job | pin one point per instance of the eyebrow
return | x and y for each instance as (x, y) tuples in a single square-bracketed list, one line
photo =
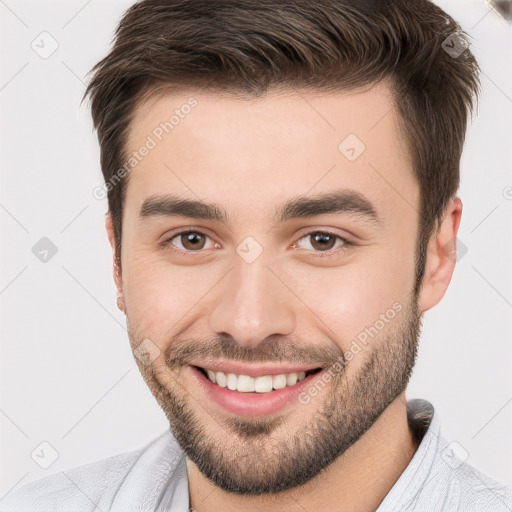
[(337, 202)]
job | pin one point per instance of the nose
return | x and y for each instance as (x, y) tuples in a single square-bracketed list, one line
[(252, 303)]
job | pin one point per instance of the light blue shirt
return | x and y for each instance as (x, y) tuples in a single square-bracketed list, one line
[(155, 478)]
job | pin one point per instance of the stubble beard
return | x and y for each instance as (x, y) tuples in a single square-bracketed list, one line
[(257, 456)]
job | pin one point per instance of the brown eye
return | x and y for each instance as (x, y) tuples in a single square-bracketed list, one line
[(323, 242), (192, 240), (189, 241)]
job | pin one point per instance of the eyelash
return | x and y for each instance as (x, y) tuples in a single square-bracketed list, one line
[(331, 252)]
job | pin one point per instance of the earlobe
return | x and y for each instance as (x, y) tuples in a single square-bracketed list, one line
[(118, 279), (120, 304), (441, 257), (117, 273)]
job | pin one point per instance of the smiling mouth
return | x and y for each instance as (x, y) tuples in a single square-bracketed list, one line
[(261, 384)]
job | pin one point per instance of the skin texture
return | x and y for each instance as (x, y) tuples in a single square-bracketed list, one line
[(349, 444)]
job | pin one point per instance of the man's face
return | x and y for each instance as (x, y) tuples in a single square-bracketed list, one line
[(261, 290)]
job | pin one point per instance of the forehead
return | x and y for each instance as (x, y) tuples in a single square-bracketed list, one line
[(251, 152)]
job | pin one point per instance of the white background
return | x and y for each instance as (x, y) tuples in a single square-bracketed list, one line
[(67, 374)]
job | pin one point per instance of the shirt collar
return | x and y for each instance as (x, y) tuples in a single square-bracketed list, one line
[(425, 425)]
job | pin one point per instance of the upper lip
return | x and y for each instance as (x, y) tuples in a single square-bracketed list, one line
[(253, 370)]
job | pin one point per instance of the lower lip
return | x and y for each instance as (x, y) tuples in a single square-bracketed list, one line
[(252, 404)]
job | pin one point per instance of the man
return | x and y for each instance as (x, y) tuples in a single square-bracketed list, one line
[(293, 143)]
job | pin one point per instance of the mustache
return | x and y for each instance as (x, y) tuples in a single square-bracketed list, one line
[(182, 352)]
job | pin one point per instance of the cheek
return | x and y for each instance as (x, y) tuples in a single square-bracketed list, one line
[(161, 297), (360, 302)]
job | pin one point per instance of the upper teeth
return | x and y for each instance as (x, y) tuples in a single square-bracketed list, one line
[(247, 384)]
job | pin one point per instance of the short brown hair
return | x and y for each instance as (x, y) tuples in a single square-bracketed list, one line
[(248, 46)]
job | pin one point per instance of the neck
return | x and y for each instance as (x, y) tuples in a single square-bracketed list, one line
[(357, 481)]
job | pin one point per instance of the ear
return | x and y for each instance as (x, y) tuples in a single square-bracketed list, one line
[(441, 257), (117, 273)]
